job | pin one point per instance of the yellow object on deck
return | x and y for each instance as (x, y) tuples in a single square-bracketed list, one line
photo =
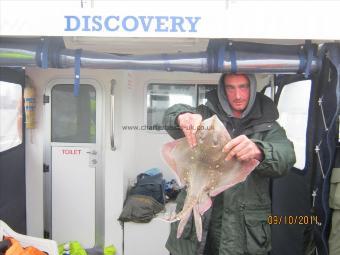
[(110, 250)]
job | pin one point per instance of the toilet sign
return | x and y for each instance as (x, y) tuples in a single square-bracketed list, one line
[(71, 151)]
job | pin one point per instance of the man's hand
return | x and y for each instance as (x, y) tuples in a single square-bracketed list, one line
[(189, 123), (243, 149)]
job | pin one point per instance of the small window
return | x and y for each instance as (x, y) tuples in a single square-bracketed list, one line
[(10, 115), (293, 107), (161, 96), (73, 118)]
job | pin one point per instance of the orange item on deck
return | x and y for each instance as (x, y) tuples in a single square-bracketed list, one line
[(17, 249), (33, 251)]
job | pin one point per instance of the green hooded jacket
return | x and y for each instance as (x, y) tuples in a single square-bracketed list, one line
[(237, 222)]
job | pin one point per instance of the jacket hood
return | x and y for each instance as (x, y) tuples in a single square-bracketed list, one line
[(223, 100)]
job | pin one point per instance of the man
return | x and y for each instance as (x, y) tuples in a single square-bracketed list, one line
[(237, 221)]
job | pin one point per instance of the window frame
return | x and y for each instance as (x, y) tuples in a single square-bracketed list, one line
[(48, 116), (170, 82)]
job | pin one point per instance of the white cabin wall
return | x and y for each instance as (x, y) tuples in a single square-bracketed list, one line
[(114, 164), (129, 116)]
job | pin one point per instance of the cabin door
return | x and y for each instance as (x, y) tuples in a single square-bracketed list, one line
[(75, 161)]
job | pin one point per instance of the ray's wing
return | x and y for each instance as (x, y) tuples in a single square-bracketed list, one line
[(232, 173), (176, 155), (167, 156)]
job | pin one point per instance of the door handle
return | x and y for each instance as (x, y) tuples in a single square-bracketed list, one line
[(92, 152)]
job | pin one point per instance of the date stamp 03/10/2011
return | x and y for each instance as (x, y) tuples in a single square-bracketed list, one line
[(293, 219)]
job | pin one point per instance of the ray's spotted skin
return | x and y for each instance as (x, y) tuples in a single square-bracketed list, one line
[(203, 170)]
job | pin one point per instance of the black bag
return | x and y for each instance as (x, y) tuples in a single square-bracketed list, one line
[(144, 200)]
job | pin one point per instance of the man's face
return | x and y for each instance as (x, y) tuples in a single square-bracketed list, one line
[(238, 92)]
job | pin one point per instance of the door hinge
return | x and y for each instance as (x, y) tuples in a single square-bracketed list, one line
[(46, 234), (46, 99), (46, 168)]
